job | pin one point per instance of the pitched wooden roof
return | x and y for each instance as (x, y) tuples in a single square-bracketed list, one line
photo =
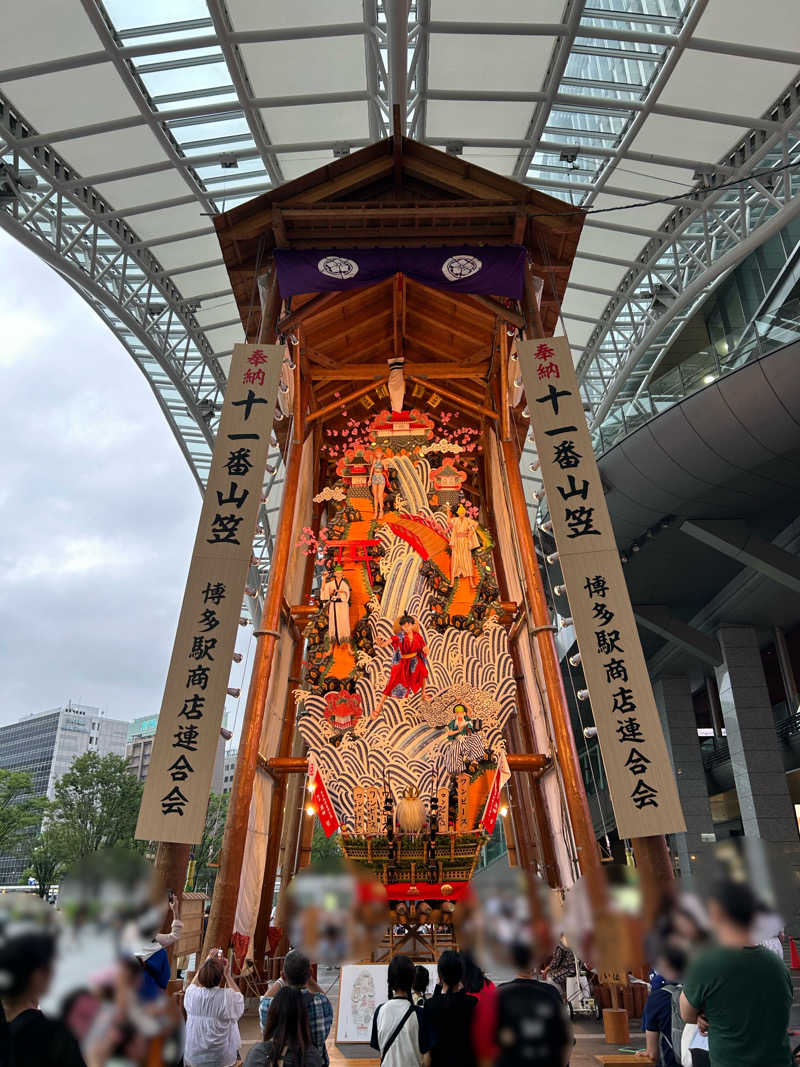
[(390, 194)]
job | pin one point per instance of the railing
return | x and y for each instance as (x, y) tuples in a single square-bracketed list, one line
[(715, 751), (763, 335), (789, 726)]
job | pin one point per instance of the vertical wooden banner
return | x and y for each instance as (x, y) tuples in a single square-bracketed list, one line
[(179, 779), (640, 778)]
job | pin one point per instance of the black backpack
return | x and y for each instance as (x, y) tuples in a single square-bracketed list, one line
[(519, 1003)]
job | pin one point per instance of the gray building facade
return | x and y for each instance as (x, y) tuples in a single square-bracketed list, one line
[(45, 745)]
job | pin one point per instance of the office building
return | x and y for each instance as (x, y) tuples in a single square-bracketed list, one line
[(139, 748), (46, 744)]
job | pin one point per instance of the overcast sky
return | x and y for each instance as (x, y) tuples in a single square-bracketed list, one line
[(99, 509)]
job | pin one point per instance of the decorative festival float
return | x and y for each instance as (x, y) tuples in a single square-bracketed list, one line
[(405, 681), (408, 684), (396, 279)]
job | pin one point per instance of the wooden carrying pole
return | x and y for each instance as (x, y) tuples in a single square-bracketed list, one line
[(278, 799), (527, 799), (567, 754), (226, 888)]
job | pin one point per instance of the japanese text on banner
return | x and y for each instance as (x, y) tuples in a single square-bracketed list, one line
[(179, 777), (637, 764)]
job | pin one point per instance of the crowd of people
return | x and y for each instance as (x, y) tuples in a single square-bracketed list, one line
[(720, 996), (721, 993)]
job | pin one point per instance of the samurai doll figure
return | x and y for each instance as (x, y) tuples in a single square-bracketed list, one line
[(335, 591), (463, 538), (463, 746), (409, 662)]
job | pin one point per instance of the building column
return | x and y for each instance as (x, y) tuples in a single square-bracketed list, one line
[(764, 801), (674, 702)]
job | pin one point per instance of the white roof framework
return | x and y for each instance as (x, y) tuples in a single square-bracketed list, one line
[(124, 126)]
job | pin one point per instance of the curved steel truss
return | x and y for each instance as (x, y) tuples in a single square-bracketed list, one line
[(703, 238), (225, 132), (80, 236)]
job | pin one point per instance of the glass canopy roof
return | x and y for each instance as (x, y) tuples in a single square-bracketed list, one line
[(124, 126)]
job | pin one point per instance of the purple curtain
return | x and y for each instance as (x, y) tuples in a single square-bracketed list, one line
[(495, 270)]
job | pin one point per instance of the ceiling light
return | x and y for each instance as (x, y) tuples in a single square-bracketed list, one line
[(228, 161), (709, 378)]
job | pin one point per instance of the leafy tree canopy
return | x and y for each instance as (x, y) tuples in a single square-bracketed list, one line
[(97, 804), (20, 813)]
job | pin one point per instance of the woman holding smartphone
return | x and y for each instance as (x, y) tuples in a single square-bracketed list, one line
[(213, 1006)]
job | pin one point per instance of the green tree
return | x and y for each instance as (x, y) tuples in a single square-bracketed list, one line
[(207, 849), (322, 847), (20, 813), (97, 804), (49, 858)]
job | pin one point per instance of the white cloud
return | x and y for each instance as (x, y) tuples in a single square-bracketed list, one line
[(99, 507)]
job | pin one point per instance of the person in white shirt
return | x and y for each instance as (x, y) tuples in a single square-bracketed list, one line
[(395, 1024), (213, 1006)]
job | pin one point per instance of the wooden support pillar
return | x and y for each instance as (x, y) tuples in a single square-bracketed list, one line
[(306, 839), (279, 793), (533, 315), (567, 754), (505, 411), (656, 874), (271, 310), (172, 862), (527, 796), (226, 888)]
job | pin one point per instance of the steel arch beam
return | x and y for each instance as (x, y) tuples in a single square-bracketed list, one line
[(682, 258), (686, 299), (102, 259)]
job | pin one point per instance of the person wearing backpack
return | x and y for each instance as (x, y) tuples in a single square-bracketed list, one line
[(395, 1024), (661, 1019), (287, 1034)]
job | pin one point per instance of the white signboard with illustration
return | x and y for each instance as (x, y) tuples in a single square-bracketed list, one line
[(362, 988)]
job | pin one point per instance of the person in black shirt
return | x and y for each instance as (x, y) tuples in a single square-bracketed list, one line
[(445, 1033), (28, 1037), (523, 1021)]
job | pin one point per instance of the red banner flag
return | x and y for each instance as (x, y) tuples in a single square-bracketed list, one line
[(490, 812), (320, 802)]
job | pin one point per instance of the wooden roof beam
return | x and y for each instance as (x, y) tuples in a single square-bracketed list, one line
[(446, 327), (469, 405), (311, 307), (339, 403), (502, 312)]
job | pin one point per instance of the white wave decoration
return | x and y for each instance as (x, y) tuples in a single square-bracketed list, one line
[(404, 745)]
